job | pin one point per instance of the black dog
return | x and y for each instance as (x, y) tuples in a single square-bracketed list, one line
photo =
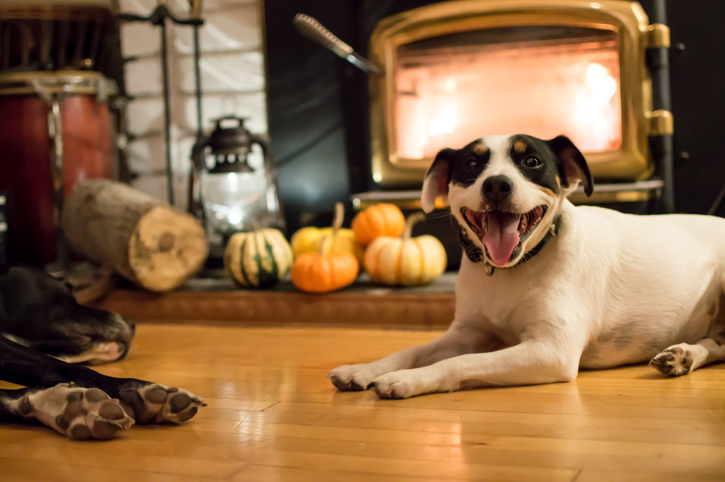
[(43, 331)]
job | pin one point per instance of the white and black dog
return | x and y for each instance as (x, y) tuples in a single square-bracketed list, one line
[(546, 288)]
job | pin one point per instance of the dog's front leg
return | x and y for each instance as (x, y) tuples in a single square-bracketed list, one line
[(528, 363), (459, 339)]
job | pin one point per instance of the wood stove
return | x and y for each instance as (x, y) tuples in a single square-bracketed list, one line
[(454, 71)]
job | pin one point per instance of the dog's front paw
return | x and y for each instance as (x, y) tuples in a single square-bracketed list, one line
[(397, 385), (78, 413), (352, 377), (156, 403), (675, 360)]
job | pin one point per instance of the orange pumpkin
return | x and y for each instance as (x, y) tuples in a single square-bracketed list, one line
[(376, 221), (321, 272)]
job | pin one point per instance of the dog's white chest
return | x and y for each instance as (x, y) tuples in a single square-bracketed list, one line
[(492, 303)]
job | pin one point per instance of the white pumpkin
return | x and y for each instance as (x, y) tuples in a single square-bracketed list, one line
[(405, 260)]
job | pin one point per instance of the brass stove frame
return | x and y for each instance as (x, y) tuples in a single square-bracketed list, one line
[(631, 164)]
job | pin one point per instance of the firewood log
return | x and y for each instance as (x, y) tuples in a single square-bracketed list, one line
[(143, 238)]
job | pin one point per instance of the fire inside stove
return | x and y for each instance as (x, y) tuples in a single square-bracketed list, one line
[(542, 81)]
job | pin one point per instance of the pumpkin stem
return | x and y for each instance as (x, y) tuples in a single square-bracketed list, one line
[(322, 245), (412, 220), (339, 218)]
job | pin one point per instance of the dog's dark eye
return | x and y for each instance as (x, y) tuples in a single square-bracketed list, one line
[(470, 165), (532, 162)]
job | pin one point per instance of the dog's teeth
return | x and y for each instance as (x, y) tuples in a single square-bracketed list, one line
[(522, 224)]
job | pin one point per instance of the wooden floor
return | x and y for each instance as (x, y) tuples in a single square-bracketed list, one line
[(273, 415)]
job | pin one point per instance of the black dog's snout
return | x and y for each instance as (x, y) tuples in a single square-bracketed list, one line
[(497, 189), (126, 326)]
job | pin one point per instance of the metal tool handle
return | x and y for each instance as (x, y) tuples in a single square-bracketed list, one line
[(197, 166), (195, 6), (313, 30)]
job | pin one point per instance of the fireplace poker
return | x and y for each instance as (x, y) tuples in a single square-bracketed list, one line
[(313, 30)]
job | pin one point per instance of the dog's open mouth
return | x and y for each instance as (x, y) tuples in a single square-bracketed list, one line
[(502, 233)]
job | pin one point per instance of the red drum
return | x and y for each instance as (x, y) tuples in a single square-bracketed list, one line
[(54, 34), (55, 130)]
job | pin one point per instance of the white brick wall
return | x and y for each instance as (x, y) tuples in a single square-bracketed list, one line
[(232, 75)]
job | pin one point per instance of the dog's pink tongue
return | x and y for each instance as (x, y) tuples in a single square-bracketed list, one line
[(501, 237)]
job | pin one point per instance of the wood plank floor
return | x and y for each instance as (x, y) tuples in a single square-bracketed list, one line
[(273, 415)]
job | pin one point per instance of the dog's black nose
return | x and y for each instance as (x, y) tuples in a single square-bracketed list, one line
[(497, 189)]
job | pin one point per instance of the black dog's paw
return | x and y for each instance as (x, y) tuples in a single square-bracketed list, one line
[(155, 403), (78, 413)]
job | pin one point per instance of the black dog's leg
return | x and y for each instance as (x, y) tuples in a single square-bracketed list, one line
[(7, 412), (68, 389)]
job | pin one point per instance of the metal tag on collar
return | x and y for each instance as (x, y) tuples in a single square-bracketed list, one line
[(487, 267)]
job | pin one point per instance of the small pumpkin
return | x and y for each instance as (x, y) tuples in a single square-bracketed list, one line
[(258, 259), (321, 271), (307, 240), (378, 220), (405, 260)]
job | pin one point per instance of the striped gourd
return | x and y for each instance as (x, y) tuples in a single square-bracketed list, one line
[(258, 259)]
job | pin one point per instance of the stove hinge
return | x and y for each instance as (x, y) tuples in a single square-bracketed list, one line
[(658, 36)]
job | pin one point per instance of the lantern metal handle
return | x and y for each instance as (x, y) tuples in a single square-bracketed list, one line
[(270, 167), (240, 120)]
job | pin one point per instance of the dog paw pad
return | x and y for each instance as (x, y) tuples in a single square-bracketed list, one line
[(157, 403), (674, 361), (78, 413)]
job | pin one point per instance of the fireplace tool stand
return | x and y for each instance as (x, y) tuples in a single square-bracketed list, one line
[(159, 17)]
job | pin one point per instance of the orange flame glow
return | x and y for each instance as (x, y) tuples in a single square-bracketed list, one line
[(542, 90)]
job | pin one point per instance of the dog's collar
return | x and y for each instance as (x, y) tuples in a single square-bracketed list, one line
[(475, 254)]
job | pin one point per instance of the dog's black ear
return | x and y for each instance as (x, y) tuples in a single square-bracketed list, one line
[(572, 165), (436, 181)]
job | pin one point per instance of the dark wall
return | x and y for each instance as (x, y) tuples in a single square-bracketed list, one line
[(318, 104), (306, 109), (698, 101), (319, 118)]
